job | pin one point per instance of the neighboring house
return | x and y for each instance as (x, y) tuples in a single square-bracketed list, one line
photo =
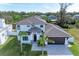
[(35, 25), (5, 29), (76, 16), (52, 18)]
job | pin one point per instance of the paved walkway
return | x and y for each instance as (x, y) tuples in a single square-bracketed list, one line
[(54, 50)]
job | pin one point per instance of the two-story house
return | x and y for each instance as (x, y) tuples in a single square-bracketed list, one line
[(35, 25)]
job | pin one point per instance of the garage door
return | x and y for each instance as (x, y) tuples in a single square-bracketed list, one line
[(56, 40)]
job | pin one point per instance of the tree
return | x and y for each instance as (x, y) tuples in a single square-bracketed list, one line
[(41, 42), (21, 33), (77, 23), (62, 14), (22, 13), (46, 19)]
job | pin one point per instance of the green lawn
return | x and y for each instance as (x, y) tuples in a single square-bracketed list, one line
[(75, 47), (12, 48), (74, 32)]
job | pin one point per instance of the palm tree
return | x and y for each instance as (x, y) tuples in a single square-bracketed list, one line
[(21, 33), (41, 42)]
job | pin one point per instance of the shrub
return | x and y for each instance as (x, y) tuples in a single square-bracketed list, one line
[(51, 41), (72, 43), (39, 43), (77, 25), (65, 26)]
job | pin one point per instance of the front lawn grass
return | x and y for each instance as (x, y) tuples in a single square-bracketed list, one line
[(12, 48), (75, 47), (75, 33), (34, 53), (27, 51)]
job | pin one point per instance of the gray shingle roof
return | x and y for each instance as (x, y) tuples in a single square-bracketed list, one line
[(55, 31), (32, 20), (35, 29), (51, 30)]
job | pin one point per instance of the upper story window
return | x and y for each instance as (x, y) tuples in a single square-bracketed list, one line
[(33, 25), (41, 25), (28, 33), (18, 27), (40, 35)]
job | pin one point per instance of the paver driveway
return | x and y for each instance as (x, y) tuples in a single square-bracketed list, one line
[(58, 50), (54, 49)]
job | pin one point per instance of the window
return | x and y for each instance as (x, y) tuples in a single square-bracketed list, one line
[(25, 38), (42, 31), (41, 25), (40, 35), (28, 33), (18, 27), (33, 25)]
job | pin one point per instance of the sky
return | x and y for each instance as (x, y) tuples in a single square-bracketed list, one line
[(36, 7)]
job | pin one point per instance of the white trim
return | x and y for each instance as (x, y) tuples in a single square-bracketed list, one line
[(66, 41), (71, 39)]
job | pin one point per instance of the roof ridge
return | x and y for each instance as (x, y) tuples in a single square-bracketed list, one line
[(38, 17), (33, 19)]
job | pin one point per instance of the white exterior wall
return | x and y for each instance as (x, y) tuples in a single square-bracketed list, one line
[(3, 36), (2, 23), (4, 31), (67, 40), (9, 29), (30, 37), (71, 39), (42, 28), (25, 28)]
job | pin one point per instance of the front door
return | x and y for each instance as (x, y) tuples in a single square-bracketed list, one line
[(35, 37)]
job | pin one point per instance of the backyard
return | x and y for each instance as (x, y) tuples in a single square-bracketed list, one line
[(75, 47), (12, 48)]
